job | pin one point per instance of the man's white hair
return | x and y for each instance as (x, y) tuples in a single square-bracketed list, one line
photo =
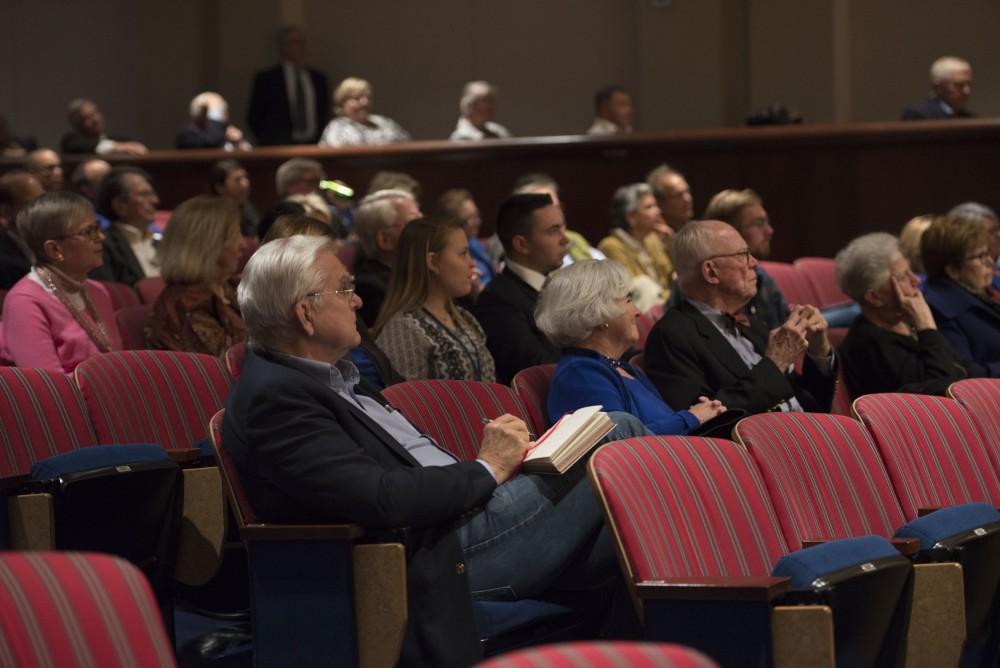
[(943, 68), (375, 213), (475, 90), (207, 99)]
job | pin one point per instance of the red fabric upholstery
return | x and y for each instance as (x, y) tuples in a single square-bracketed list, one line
[(42, 413), (131, 322), (452, 411), (78, 609), (234, 357), (153, 396), (821, 274), (245, 514), (841, 399), (250, 245), (791, 283), (644, 323), (687, 507), (823, 474), (149, 289), (532, 386), (122, 295), (602, 655), (980, 397), (934, 453)]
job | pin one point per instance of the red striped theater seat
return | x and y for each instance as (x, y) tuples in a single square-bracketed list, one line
[(933, 451), (43, 414), (78, 609), (234, 357), (153, 396), (122, 294), (149, 289), (131, 321), (821, 274), (603, 655), (452, 411), (792, 284), (532, 386), (980, 397)]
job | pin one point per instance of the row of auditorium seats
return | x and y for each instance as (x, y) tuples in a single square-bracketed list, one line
[(808, 280)]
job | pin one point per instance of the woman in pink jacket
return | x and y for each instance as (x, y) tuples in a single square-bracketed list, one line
[(55, 318)]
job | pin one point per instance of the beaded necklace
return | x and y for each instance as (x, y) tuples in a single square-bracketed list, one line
[(87, 317)]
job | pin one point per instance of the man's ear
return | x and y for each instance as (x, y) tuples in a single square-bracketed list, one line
[(304, 314), (382, 241), (520, 244), (709, 273)]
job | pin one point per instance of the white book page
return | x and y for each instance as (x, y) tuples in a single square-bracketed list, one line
[(562, 431)]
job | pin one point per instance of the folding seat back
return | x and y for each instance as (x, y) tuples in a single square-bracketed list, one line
[(792, 284), (603, 655), (644, 323), (149, 289), (821, 274), (131, 322), (932, 450), (532, 386), (122, 294), (234, 357), (980, 397), (78, 609), (452, 411)]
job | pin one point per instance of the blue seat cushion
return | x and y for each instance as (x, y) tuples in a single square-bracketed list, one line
[(947, 522), (96, 457), (494, 618), (805, 566)]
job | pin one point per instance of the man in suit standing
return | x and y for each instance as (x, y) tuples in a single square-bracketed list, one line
[(290, 102), (951, 87), (532, 229), (708, 345)]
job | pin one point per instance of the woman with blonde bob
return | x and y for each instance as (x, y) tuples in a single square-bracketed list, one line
[(421, 329), (200, 253), (354, 124)]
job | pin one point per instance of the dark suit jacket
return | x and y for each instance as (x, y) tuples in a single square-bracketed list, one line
[(506, 310), (930, 108), (371, 280), (305, 455), (120, 263), (686, 356), (970, 324), (270, 117), (213, 135), (14, 264), (75, 142)]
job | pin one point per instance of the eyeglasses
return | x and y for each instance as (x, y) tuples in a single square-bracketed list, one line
[(745, 254), (91, 232), (983, 257), (348, 291)]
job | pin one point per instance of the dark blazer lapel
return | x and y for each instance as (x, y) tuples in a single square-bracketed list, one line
[(721, 350)]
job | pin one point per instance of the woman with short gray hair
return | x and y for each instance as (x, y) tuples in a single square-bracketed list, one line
[(894, 345), (478, 109), (586, 309)]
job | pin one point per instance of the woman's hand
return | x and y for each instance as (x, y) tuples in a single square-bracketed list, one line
[(706, 409)]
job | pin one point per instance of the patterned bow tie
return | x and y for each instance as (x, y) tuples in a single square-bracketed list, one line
[(738, 320)]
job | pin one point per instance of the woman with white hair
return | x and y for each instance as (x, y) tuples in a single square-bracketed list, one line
[(354, 124), (477, 109), (894, 345), (586, 309)]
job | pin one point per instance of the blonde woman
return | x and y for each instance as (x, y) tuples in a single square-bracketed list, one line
[(354, 124)]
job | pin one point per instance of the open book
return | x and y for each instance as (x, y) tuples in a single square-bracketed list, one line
[(567, 440)]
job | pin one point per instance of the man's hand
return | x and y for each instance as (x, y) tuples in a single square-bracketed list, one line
[(786, 343), (914, 307), (505, 440), (815, 326), (234, 134)]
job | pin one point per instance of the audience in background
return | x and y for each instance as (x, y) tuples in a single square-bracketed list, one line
[(55, 318), (269, 217), (988, 218), (959, 266), (209, 126), (459, 208), (951, 87), (87, 177), (587, 311), (612, 111), (894, 345), (378, 222), (89, 136), (298, 176), (387, 180), (18, 188), (46, 165), (290, 102), (288, 225), (127, 199), (532, 230), (909, 244), (11, 146), (354, 124), (200, 254), (477, 109), (421, 329), (707, 347), (635, 244), (227, 178), (673, 194)]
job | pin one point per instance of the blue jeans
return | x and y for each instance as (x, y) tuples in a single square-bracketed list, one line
[(542, 532)]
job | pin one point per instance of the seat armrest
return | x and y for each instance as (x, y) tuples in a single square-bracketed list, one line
[(20, 484), (184, 455), (301, 532), (926, 511), (714, 589)]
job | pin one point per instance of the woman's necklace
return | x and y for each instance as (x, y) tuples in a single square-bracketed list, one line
[(62, 287)]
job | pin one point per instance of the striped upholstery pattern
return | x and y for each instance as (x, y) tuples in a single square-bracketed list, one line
[(823, 474), (532, 386), (821, 274), (452, 411), (234, 357), (790, 282), (149, 289), (602, 655), (78, 609), (933, 452), (687, 507), (243, 510), (122, 295), (132, 326), (980, 397), (152, 396), (42, 413)]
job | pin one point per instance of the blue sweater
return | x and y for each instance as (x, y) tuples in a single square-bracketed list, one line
[(586, 378)]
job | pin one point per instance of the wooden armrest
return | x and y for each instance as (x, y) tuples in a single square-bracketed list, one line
[(714, 589), (183, 455), (301, 532), (907, 547), (926, 511), (14, 483), (813, 542)]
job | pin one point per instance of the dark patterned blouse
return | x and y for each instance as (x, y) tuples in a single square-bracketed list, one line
[(420, 347), (192, 318)]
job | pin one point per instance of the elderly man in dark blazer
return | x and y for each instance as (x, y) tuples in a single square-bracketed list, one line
[(707, 345), (951, 87)]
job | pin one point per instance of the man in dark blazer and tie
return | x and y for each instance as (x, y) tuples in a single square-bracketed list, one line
[(532, 229), (708, 346), (290, 102), (951, 87)]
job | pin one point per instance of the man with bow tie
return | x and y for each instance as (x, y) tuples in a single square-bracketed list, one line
[(710, 345)]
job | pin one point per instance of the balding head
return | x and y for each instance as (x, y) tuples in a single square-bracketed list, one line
[(18, 188), (87, 177), (46, 166), (714, 265)]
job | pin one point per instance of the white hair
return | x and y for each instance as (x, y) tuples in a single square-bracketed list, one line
[(626, 201), (278, 275), (475, 90), (863, 264), (292, 170), (375, 213), (943, 68), (690, 246), (579, 298), (207, 99)]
